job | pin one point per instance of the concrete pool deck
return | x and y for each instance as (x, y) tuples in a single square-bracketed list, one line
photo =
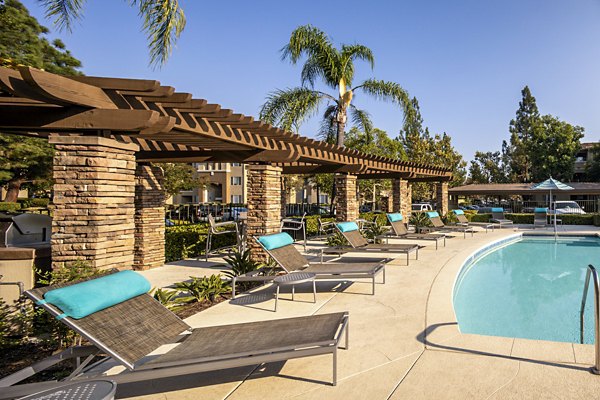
[(404, 342)]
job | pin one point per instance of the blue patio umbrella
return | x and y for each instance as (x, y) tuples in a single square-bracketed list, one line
[(551, 184)]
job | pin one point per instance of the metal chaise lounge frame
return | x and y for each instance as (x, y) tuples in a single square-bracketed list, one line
[(290, 260), (498, 217), (143, 325), (439, 225), (400, 232), (463, 221), (358, 244)]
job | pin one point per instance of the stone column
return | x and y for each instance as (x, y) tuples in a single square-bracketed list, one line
[(264, 206), (405, 198), (93, 204), (346, 203), (441, 197), (396, 194), (149, 249)]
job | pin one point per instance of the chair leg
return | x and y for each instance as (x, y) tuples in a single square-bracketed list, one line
[(314, 291), (276, 297), (334, 380), (233, 287), (293, 290), (373, 285), (208, 238)]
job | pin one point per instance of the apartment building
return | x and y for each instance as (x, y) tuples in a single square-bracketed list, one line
[(584, 155), (227, 184)]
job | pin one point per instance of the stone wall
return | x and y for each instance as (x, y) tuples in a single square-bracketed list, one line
[(346, 201), (264, 206), (396, 195), (405, 198), (441, 197), (149, 248), (93, 205)]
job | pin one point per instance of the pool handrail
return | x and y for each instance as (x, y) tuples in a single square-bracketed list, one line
[(591, 272)]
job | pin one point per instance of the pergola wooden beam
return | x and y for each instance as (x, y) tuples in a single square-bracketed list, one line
[(163, 115)]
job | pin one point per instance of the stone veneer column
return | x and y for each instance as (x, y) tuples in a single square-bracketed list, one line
[(346, 204), (264, 206), (396, 195), (405, 198), (149, 249), (441, 197), (93, 204)]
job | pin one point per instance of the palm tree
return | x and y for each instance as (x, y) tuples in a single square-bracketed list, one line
[(288, 108), (163, 22)]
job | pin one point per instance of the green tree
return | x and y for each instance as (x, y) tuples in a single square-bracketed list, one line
[(164, 21), (525, 130), (422, 147), (22, 43), (488, 167), (553, 152), (180, 177), (27, 161), (288, 108), (592, 166)]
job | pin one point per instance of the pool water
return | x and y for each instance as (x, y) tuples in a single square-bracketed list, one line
[(531, 288)]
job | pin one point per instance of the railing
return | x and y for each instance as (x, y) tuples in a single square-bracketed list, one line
[(591, 272), (181, 214), (589, 206)]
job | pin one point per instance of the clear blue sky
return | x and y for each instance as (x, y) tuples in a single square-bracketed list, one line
[(466, 61)]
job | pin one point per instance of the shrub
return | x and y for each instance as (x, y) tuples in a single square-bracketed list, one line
[(205, 288), (337, 239), (419, 219), (34, 202), (374, 230), (240, 264), (379, 218), (567, 219), (169, 298), (9, 207), (185, 241)]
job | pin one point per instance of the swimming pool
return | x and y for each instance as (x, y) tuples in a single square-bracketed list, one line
[(529, 287)]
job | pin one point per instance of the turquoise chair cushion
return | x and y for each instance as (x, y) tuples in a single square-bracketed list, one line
[(459, 212), (540, 210), (275, 240), (432, 214), (497, 209), (395, 217), (85, 298), (347, 226)]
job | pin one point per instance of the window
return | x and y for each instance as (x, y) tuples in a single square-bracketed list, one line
[(236, 164), (323, 199), (236, 199), (236, 180)]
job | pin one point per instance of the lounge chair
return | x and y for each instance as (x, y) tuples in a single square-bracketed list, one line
[(281, 249), (399, 231), (127, 324), (438, 225), (499, 218), (463, 221), (358, 244), (540, 217)]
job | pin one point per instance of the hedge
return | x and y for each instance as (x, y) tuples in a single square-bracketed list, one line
[(185, 241), (35, 202), (567, 219), (9, 206)]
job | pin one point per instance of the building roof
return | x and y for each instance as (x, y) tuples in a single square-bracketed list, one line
[(172, 126), (507, 189)]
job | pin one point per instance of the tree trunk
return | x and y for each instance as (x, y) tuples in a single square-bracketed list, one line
[(341, 125), (12, 192)]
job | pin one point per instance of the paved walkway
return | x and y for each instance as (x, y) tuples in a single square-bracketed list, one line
[(404, 343)]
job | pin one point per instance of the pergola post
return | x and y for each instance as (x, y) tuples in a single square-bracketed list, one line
[(441, 197), (396, 194), (346, 200), (93, 204), (401, 196), (264, 206), (149, 250)]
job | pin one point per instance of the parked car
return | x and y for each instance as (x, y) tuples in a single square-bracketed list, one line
[(421, 207), (568, 207), (234, 214)]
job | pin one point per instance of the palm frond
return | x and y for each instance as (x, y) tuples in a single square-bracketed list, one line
[(387, 91), (164, 21), (353, 52), (313, 43), (362, 120), (64, 12), (328, 128), (290, 107)]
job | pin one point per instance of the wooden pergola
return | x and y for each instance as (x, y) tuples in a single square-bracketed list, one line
[(151, 123)]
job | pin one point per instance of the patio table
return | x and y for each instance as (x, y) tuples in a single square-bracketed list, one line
[(293, 279)]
